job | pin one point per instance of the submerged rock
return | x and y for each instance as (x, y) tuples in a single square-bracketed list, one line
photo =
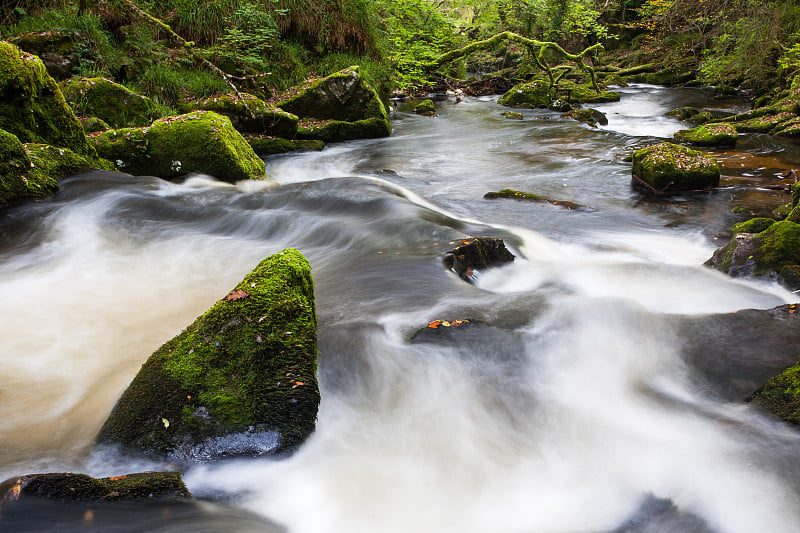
[(250, 114), (773, 252), (591, 117), (240, 380), (74, 488), (512, 115), (530, 197), (666, 168), (426, 108), (32, 106), (200, 141), (477, 254), (714, 134), (343, 106), (113, 103)]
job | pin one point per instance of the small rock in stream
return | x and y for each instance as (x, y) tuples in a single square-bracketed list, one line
[(477, 254)]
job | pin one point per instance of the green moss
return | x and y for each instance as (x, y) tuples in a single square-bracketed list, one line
[(764, 123), (248, 362), (590, 117), (264, 146), (780, 396), (754, 225), (426, 108), (703, 118), (339, 130), (715, 134), (117, 105), (584, 93), (94, 124), (68, 488), (777, 247), (201, 141), (512, 115), (32, 106), (789, 128), (529, 197), (18, 181), (789, 277), (342, 96), (51, 162), (532, 94), (683, 113), (673, 167), (249, 114)]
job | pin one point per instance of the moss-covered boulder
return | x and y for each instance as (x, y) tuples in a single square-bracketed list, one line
[(200, 141), (341, 130), (18, 177), (530, 197), (264, 145), (714, 134), (341, 98), (766, 253), (75, 488), (250, 114), (765, 123), (584, 93), (94, 124), (105, 99), (426, 108), (32, 106), (668, 167), (534, 94), (57, 48), (754, 225), (477, 254), (683, 113), (590, 117), (240, 380), (780, 396)]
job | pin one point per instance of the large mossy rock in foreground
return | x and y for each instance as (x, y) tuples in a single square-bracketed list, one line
[(73, 488), (117, 105), (32, 106), (343, 106), (239, 381), (667, 167), (200, 141), (774, 252)]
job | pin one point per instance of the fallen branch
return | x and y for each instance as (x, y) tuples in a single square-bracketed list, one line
[(541, 47)]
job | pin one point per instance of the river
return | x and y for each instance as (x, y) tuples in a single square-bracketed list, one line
[(574, 411)]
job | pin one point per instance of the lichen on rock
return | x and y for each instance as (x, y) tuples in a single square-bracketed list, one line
[(243, 373), (200, 141), (669, 167)]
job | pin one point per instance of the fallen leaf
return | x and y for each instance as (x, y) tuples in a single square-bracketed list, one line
[(117, 478), (165, 422), (238, 294), (435, 324)]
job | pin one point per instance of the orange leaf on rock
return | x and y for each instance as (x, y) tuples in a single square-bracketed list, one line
[(238, 294), (435, 324)]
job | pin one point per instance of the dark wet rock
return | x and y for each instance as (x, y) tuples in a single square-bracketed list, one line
[(113, 103), (658, 514), (738, 352), (591, 117), (763, 254), (74, 488), (426, 108), (250, 114), (200, 141), (667, 167), (530, 197), (240, 380), (512, 115), (477, 254), (714, 134), (439, 331)]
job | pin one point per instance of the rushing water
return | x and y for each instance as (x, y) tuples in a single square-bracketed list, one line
[(574, 410)]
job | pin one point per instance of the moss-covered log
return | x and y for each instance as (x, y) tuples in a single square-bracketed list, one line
[(540, 48), (240, 380)]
